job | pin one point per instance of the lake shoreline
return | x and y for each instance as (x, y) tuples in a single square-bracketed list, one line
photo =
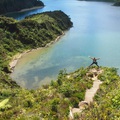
[(18, 56), (24, 10), (27, 9)]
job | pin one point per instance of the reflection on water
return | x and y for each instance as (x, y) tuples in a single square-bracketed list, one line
[(96, 32)]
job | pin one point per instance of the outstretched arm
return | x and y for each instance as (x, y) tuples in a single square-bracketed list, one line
[(97, 58), (91, 57)]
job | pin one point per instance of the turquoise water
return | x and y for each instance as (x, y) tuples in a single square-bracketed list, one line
[(96, 32)]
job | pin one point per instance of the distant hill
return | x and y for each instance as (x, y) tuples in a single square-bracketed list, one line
[(99, 0), (17, 5), (116, 2)]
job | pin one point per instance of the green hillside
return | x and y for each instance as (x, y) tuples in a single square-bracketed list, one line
[(50, 102), (106, 105), (32, 32), (116, 2), (17, 5), (16, 37), (102, 0), (53, 101)]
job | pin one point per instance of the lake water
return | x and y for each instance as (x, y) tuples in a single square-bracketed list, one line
[(96, 32)]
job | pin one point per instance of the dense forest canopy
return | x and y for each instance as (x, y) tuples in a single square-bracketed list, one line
[(17, 5)]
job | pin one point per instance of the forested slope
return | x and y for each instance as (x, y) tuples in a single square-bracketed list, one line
[(97, 0), (106, 105), (50, 101), (32, 32), (116, 2), (53, 101), (17, 36), (17, 5)]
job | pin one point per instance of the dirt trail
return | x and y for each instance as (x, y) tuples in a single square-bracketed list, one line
[(90, 93)]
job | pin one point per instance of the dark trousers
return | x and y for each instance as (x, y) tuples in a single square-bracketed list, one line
[(94, 63)]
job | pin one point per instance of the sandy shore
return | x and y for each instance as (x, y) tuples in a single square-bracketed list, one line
[(16, 57), (33, 8), (27, 9)]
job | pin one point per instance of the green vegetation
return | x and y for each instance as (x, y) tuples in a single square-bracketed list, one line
[(17, 5), (53, 101), (50, 101), (102, 0), (106, 105), (116, 2), (3, 103), (32, 32)]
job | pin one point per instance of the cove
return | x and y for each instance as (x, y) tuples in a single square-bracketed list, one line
[(95, 32)]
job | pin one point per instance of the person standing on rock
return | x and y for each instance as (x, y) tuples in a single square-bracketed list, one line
[(94, 61)]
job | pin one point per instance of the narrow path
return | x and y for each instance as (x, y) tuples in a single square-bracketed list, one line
[(89, 95)]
